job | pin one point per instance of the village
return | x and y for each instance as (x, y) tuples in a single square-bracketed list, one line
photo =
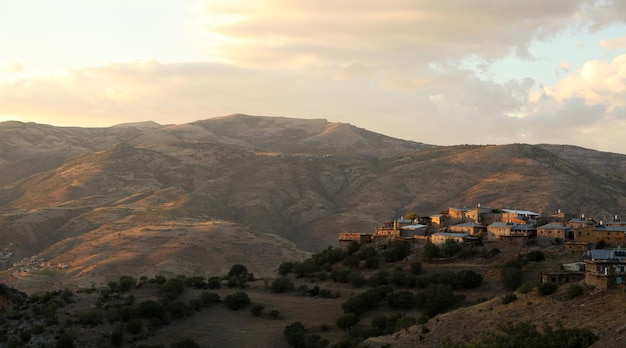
[(603, 262)]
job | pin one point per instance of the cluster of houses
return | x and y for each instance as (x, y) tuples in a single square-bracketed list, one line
[(602, 267)]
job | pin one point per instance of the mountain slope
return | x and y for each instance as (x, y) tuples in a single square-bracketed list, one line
[(302, 180)]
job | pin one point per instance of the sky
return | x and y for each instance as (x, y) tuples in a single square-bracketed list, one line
[(441, 72)]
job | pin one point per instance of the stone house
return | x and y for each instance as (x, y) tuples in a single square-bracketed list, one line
[(553, 232), (605, 268)]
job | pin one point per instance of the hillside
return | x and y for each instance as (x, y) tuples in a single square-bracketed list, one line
[(288, 183)]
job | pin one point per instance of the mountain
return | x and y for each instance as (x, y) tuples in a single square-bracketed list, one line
[(148, 194)]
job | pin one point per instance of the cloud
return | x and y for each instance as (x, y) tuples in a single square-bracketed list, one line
[(597, 83), (616, 43), (399, 33), (12, 67)]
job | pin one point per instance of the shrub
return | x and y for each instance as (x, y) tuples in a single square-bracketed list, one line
[(171, 289), (274, 314), (280, 285), (535, 255), (209, 298), (285, 267), (574, 290), (90, 317), (294, 334), (397, 250), (117, 338), (511, 277), (546, 289), (126, 282), (134, 326), (416, 267), (256, 309), (214, 283), (508, 298), (438, 298), (401, 299), (372, 262), (347, 321), (237, 300)]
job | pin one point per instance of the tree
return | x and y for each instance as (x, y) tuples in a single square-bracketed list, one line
[(512, 277), (347, 321), (237, 270), (294, 334), (126, 282)]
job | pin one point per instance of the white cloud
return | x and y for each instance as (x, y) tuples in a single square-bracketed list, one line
[(12, 67)]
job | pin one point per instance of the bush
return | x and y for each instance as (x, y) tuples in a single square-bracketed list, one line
[(508, 298), (237, 300), (209, 298), (294, 334), (546, 289), (347, 321), (285, 267), (512, 277), (535, 255), (438, 298), (171, 289), (574, 290), (401, 299), (134, 326), (274, 314), (256, 309), (416, 267), (117, 338), (397, 250), (126, 283), (280, 285), (214, 283)]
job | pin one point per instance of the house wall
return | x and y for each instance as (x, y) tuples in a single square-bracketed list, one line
[(562, 277), (436, 239), (472, 230), (547, 236), (593, 235)]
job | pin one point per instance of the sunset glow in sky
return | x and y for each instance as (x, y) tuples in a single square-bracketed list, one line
[(436, 71)]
